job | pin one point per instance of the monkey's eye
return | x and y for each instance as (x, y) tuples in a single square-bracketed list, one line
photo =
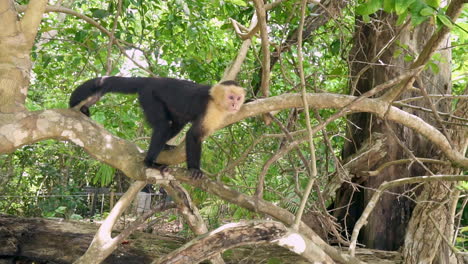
[(231, 97), (238, 98)]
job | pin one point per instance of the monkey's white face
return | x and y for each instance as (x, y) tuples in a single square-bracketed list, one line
[(228, 98), (234, 102)]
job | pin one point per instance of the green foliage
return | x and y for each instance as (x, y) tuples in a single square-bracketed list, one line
[(418, 10), (195, 40), (104, 175)]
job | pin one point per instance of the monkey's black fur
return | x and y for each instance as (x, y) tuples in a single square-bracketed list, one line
[(168, 104)]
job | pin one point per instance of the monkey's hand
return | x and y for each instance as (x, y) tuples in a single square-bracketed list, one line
[(196, 173)]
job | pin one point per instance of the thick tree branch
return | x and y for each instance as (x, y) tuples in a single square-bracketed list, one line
[(375, 106), (245, 233), (24, 128), (8, 18), (31, 20)]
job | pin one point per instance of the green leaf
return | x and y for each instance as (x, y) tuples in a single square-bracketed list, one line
[(402, 5), (408, 58), (401, 18), (417, 19), (397, 53), (369, 7), (433, 3), (389, 5), (434, 67), (366, 18), (437, 56), (104, 175), (237, 2), (428, 11), (335, 47), (76, 217), (99, 13), (445, 20)]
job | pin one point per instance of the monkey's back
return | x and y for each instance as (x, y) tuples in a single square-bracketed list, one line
[(185, 100)]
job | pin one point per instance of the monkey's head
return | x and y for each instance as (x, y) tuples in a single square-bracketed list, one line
[(228, 96)]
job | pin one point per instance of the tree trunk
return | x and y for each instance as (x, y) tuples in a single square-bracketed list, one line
[(387, 224), (434, 209)]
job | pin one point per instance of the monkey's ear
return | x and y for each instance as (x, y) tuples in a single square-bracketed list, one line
[(217, 91)]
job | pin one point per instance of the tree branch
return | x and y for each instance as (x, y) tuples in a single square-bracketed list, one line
[(246, 233), (31, 20), (453, 11), (386, 185), (23, 128), (8, 18), (261, 14), (312, 165)]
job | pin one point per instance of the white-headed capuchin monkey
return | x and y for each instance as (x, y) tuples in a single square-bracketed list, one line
[(169, 104)]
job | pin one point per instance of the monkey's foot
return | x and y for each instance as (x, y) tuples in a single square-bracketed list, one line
[(196, 173), (169, 147), (163, 169)]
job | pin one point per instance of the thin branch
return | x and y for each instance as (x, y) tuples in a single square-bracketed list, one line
[(440, 96), (111, 38), (377, 171), (89, 20), (453, 12), (452, 247), (420, 108), (103, 243), (312, 165), (405, 148), (377, 57), (435, 113), (261, 14)]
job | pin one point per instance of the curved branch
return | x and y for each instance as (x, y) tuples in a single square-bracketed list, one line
[(246, 233), (23, 128), (375, 106)]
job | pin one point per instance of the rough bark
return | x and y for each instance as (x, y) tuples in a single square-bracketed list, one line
[(237, 234), (42, 240), (387, 224), (423, 242), (190, 213)]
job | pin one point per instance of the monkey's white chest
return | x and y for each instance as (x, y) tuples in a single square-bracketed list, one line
[(213, 119)]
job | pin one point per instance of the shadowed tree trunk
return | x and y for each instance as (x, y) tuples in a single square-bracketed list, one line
[(387, 224)]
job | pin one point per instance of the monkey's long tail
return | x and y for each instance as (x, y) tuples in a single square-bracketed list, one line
[(88, 93)]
